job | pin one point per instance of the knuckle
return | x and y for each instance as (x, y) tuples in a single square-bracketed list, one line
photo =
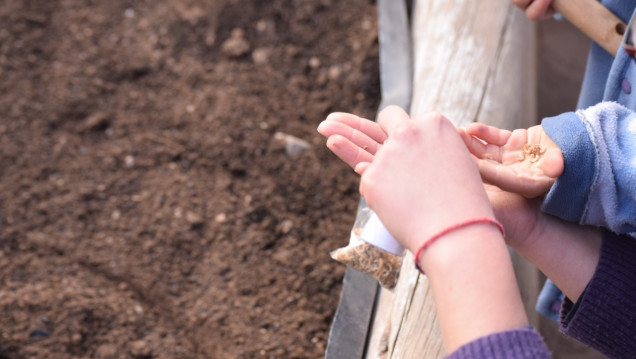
[(435, 122), (407, 130), (436, 118)]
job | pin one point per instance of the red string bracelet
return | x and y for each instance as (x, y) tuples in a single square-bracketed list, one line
[(457, 226)]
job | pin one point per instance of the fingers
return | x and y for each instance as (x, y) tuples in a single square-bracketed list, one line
[(526, 184), (535, 9), (348, 151), (390, 119), (553, 165), (522, 4), (330, 128), (361, 167), (506, 179), (488, 134), (485, 142), (356, 140), (539, 10), (367, 127), (482, 151)]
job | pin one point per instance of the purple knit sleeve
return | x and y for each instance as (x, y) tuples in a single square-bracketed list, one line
[(523, 343), (605, 316)]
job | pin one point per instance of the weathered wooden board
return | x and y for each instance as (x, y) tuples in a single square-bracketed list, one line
[(473, 61), (349, 331)]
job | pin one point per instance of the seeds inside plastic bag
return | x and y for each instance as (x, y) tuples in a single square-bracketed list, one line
[(366, 258)]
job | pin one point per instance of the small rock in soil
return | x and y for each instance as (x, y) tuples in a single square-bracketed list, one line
[(293, 145), (139, 348), (220, 218), (106, 351), (236, 45), (260, 56)]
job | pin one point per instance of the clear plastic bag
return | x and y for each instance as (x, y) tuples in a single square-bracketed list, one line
[(372, 249)]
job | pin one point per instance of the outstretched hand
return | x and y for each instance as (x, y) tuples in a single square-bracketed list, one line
[(526, 162)]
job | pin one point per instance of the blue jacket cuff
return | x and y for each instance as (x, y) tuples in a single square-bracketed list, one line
[(568, 197)]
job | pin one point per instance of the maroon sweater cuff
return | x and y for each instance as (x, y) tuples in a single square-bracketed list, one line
[(523, 343), (605, 315)]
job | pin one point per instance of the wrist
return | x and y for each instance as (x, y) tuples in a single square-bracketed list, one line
[(454, 239), (471, 276)]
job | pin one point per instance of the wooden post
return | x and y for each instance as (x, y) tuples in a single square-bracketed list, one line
[(473, 61)]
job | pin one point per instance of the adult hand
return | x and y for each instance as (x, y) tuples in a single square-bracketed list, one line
[(535, 9), (526, 162)]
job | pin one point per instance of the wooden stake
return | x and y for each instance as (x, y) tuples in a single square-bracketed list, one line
[(594, 20)]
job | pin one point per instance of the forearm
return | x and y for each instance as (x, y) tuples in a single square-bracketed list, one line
[(573, 256), (474, 286)]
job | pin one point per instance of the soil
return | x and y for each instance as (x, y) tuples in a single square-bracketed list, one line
[(148, 205)]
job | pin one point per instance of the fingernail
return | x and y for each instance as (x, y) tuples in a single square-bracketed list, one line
[(320, 126), (332, 143)]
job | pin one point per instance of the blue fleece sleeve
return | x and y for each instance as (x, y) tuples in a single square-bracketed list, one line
[(598, 185), (568, 197)]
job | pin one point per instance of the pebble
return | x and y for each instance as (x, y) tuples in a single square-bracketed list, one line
[(193, 218), (106, 351), (314, 62), (285, 226), (260, 56), (139, 348), (293, 145), (334, 72), (129, 161), (236, 45), (220, 218)]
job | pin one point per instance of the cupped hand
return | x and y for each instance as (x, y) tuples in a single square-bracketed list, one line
[(535, 9), (526, 162)]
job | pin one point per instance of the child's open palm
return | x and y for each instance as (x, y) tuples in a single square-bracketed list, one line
[(525, 162)]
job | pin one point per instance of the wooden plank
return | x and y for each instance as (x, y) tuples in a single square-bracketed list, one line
[(474, 61), (396, 57), (350, 328)]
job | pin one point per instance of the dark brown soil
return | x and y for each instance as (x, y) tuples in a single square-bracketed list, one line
[(147, 209)]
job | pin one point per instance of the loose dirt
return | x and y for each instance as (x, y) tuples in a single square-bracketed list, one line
[(148, 208)]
